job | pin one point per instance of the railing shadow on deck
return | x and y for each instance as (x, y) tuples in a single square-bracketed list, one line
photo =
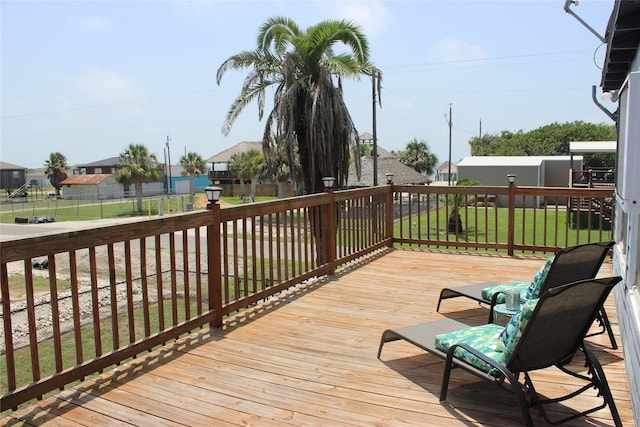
[(111, 293)]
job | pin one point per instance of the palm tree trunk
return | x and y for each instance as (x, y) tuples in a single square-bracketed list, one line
[(282, 190), (138, 187)]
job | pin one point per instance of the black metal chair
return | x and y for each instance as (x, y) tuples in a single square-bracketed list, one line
[(552, 335), (569, 265)]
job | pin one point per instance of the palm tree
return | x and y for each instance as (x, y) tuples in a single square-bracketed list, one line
[(193, 165), (137, 166), (247, 167), (55, 168), (419, 157), (280, 167), (309, 113)]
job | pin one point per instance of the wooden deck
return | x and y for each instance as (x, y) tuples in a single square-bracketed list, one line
[(309, 358)]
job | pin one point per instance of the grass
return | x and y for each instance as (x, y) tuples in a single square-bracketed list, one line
[(47, 354), (40, 286), (529, 230), (79, 210)]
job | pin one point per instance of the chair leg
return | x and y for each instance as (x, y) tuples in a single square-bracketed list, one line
[(607, 325), (603, 386), (513, 381)]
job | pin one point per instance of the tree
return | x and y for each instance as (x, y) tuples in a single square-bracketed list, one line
[(419, 157), (456, 201), (193, 165), (247, 166), (55, 168), (309, 113), (280, 167), (548, 140), (136, 167)]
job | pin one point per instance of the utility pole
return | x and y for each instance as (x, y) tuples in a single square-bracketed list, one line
[(480, 131), (449, 172), (169, 159), (375, 136)]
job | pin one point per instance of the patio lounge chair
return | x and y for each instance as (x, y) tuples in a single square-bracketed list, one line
[(567, 265), (547, 332)]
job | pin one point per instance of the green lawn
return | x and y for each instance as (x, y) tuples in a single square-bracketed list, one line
[(529, 228)]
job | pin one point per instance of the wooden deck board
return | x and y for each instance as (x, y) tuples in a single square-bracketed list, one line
[(308, 358)]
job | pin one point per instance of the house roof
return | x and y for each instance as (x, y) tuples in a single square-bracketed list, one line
[(508, 160), (401, 174), (444, 167), (592, 146), (623, 39), (111, 161), (241, 147), (366, 137), (90, 179), (9, 166)]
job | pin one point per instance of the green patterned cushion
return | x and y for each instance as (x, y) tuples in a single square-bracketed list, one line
[(483, 338), (527, 290), (513, 331), (533, 291), (487, 293)]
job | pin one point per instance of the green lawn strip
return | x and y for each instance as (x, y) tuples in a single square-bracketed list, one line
[(435, 225), (46, 351)]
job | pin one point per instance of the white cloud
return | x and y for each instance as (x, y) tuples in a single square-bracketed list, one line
[(93, 23), (455, 50), (105, 86)]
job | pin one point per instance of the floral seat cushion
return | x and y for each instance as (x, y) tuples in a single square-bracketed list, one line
[(527, 290), (483, 338), (494, 341), (487, 293), (513, 331)]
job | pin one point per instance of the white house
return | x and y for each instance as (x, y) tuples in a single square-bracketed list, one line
[(532, 171), (621, 83), (92, 187)]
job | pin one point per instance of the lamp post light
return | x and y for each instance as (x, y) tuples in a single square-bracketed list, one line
[(389, 178), (213, 195), (328, 182), (512, 178)]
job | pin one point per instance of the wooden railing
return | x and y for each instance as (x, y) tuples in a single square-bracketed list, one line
[(76, 303), (510, 219)]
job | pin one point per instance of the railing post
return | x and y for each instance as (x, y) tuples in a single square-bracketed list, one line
[(512, 214), (214, 264), (333, 230), (389, 215)]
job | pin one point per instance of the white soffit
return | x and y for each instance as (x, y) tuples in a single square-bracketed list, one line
[(592, 146)]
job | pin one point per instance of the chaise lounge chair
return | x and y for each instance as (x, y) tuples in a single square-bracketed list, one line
[(566, 266), (547, 332)]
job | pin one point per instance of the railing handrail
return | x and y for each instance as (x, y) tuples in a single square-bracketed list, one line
[(252, 251)]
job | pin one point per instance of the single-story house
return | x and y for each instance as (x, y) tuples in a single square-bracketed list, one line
[(92, 187), (535, 171), (12, 176)]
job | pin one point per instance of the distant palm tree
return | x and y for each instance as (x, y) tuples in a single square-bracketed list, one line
[(55, 168), (136, 167), (309, 113), (419, 157), (247, 166), (193, 165)]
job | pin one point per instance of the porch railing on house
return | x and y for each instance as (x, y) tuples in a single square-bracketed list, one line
[(75, 303)]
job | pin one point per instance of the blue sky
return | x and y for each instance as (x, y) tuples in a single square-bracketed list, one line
[(87, 78)]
